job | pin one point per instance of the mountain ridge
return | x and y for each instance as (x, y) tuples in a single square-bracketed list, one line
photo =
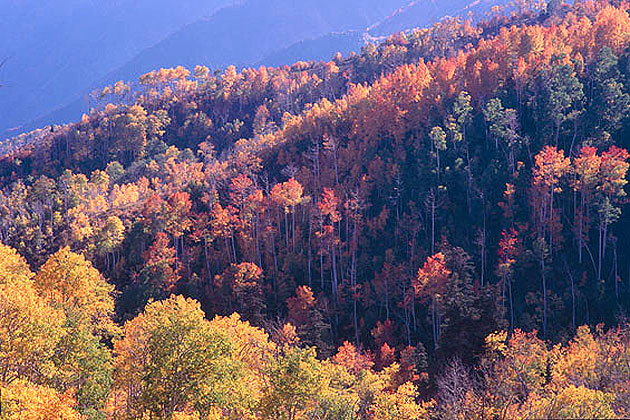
[(169, 52)]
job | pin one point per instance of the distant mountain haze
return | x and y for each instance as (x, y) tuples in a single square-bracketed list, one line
[(245, 34), (316, 49), (56, 50), (242, 34), (416, 14), (60, 51), (421, 13)]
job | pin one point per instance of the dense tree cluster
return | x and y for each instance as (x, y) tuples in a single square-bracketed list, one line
[(328, 222), (171, 362)]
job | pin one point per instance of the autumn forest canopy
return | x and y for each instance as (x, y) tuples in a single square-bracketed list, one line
[(435, 227)]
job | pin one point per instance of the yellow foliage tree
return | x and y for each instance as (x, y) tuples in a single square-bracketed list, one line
[(29, 328), (399, 405), (172, 359), (69, 281), (252, 348), (14, 268), (22, 400)]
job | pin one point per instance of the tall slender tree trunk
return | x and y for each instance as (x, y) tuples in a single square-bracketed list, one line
[(257, 236), (321, 269), (386, 297), (434, 321), (309, 252), (353, 276), (616, 272), (293, 229), (433, 222), (509, 280), (544, 285), (551, 223), (570, 275), (407, 327), (469, 181), (340, 250), (334, 268), (207, 260), (234, 248), (411, 276), (286, 229), (275, 261), (599, 258), (604, 239), (581, 227), (227, 249)]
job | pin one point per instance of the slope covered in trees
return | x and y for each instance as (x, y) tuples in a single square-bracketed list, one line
[(56, 51), (434, 227), (43, 87)]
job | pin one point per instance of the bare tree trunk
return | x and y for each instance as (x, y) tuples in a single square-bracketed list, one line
[(616, 271), (469, 180), (207, 260), (572, 295), (286, 229), (599, 260), (431, 204), (434, 322), (386, 297), (321, 269), (353, 275), (227, 250), (581, 228), (551, 222), (511, 304), (275, 260), (411, 276), (544, 285), (334, 268), (309, 252), (293, 229), (604, 239), (257, 231)]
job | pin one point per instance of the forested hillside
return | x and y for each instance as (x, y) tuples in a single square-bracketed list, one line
[(51, 73), (56, 50), (432, 228)]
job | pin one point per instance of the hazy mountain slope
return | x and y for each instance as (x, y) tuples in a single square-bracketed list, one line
[(56, 50), (245, 34), (321, 48), (269, 32), (242, 34), (417, 14), (420, 13)]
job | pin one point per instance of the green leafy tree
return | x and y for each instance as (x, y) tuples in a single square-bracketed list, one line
[(171, 359), (109, 239), (83, 363), (295, 379), (563, 96)]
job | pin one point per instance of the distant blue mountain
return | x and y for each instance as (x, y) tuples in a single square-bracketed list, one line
[(415, 14), (57, 55), (242, 34), (57, 49), (317, 49), (422, 13)]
